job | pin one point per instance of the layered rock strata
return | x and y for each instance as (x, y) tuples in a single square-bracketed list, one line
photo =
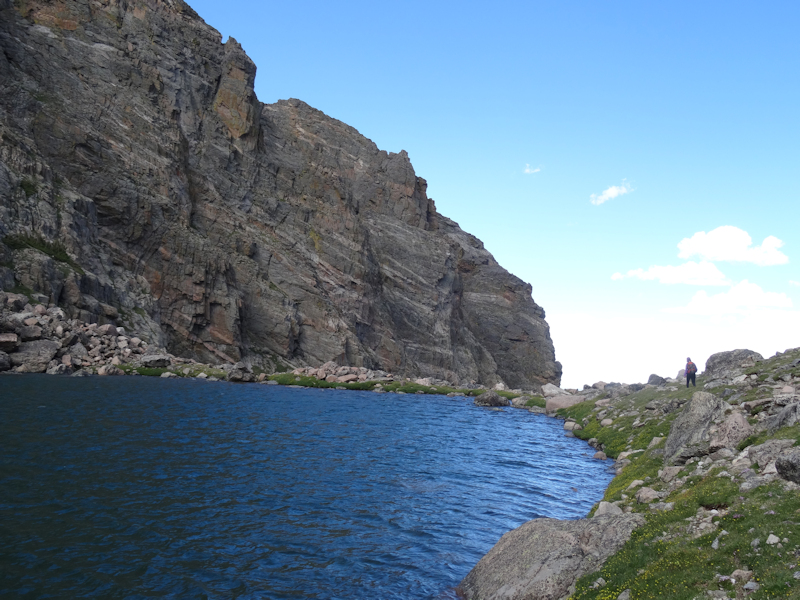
[(143, 184)]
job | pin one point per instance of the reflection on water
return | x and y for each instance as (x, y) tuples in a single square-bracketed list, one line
[(135, 487)]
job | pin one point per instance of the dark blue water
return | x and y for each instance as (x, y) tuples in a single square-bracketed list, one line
[(140, 488)]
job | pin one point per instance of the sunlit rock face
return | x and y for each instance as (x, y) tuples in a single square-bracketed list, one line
[(226, 229)]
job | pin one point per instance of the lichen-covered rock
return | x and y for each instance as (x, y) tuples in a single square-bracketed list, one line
[(788, 466), (543, 558), (491, 398), (224, 228), (733, 430), (689, 434)]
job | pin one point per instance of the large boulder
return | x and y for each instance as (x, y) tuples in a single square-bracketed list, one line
[(606, 508), (788, 466), (33, 357), (689, 434), (543, 558), (733, 430), (727, 365), (5, 361), (491, 398), (549, 390), (565, 401), (656, 380)]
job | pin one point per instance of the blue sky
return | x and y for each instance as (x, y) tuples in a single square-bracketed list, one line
[(691, 111)]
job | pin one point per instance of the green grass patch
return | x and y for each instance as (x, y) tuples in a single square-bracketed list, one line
[(29, 187), (54, 250), (536, 401)]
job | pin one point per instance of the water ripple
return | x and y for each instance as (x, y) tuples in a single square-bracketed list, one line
[(134, 488)]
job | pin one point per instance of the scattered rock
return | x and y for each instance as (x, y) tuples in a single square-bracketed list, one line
[(607, 508), (742, 575), (669, 473), (110, 370), (490, 398), (646, 495), (656, 380), (765, 453), (155, 361), (600, 455)]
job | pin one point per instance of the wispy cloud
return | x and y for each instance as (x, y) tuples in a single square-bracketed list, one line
[(690, 273), (528, 170), (611, 193), (728, 243), (742, 299), (794, 283)]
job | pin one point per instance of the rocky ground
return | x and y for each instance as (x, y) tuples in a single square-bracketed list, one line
[(704, 504)]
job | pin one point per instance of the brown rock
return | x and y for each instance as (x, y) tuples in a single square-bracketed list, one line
[(110, 370), (348, 378)]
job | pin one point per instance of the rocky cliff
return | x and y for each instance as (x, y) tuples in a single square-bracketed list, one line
[(142, 183)]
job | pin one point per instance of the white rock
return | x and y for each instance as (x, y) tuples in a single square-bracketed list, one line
[(549, 390), (607, 508), (606, 422), (773, 539)]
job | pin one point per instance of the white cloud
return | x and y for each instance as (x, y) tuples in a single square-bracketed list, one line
[(794, 283), (612, 192), (744, 298), (530, 171), (732, 244), (690, 273)]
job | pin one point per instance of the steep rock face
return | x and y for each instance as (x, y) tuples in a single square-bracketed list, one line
[(225, 228)]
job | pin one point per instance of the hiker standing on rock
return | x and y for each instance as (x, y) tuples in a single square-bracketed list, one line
[(691, 369)]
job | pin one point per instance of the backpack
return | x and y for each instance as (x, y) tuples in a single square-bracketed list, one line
[(692, 368)]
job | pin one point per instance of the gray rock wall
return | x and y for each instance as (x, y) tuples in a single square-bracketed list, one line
[(226, 229)]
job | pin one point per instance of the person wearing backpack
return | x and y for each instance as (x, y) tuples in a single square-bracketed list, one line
[(691, 369)]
